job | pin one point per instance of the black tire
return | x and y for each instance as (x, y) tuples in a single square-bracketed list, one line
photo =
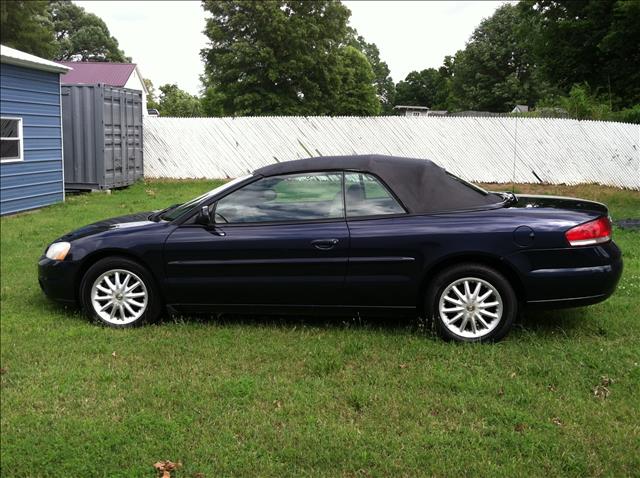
[(154, 305), (449, 276)]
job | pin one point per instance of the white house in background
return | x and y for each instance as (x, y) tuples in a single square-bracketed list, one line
[(520, 109), (123, 75), (412, 110)]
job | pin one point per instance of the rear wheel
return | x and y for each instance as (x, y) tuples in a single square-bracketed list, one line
[(472, 303), (120, 293)]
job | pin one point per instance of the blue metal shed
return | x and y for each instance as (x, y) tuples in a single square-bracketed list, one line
[(31, 166)]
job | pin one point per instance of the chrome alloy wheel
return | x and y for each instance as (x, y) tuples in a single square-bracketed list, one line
[(470, 307), (119, 297)]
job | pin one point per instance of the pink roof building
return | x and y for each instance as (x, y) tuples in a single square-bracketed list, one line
[(124, 75)]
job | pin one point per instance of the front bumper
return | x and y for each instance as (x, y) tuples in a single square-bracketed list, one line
[(57, 279)]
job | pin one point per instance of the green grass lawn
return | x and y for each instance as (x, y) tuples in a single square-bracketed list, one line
[(310, 397)]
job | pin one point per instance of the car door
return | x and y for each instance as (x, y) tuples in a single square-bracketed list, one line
[(385, 258), (280, 240)]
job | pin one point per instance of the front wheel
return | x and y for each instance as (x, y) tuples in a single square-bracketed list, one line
[(472, 303), (120, 293)]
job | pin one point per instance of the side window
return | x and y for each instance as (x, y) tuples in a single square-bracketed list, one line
[(367, 196), (11, 139), (295, 197)]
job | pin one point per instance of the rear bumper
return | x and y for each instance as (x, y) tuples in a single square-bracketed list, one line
[(57, 279), (571, 277)]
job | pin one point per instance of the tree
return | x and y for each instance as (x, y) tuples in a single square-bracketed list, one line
[(212, 100), (82, 36), (280, 57), (152, 101), (382, 80), (25, 25), (423, 88), (176, 102), (592, 41), (621, 49), (495, 71), (582, 103), (356, 92)]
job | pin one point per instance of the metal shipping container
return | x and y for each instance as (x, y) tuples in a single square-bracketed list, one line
[(102, 133)]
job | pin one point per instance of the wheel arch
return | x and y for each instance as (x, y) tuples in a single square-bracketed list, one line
[(482, 258), (94, 257)]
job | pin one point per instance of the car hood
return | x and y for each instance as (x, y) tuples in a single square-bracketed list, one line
[(559, 202), (137, 220)]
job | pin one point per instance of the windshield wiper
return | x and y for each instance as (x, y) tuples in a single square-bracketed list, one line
[(156, 216)]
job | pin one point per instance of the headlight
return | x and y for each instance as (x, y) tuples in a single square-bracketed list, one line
[(58, 251)]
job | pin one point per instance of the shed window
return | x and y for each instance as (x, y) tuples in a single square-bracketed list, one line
[(11, 139)]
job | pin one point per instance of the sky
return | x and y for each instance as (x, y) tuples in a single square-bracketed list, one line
[(165, 37)]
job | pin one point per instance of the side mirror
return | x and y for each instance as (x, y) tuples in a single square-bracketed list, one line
[(204, 217)]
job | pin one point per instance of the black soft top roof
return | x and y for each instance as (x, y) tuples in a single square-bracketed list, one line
[(421, 185)]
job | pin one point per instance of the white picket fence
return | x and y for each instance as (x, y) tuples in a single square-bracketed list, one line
[(555, 151)]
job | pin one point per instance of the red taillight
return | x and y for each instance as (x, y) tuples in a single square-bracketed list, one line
[(589, 233)]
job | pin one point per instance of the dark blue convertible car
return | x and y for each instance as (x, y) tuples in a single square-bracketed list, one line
[(366, 234)]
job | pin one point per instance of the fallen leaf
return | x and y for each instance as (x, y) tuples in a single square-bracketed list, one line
[(113, 354), (556, 421), (166, 467), (605, 381), (601, 392), (513, 375), (403, 365)]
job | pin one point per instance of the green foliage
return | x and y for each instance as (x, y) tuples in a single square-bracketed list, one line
[(494, 72), (620, 49), (590, 41), (627, 115), (176, 102), (428, 87), (82, 36), (356, 94), (58, 30), (304, 397), (212, 101), (536, 52), (274, 57), (581, 103), (25, 25), (152, 100), (282, 57), (383, 82)]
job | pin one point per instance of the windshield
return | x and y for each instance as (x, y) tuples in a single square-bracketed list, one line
[(178, 210)]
